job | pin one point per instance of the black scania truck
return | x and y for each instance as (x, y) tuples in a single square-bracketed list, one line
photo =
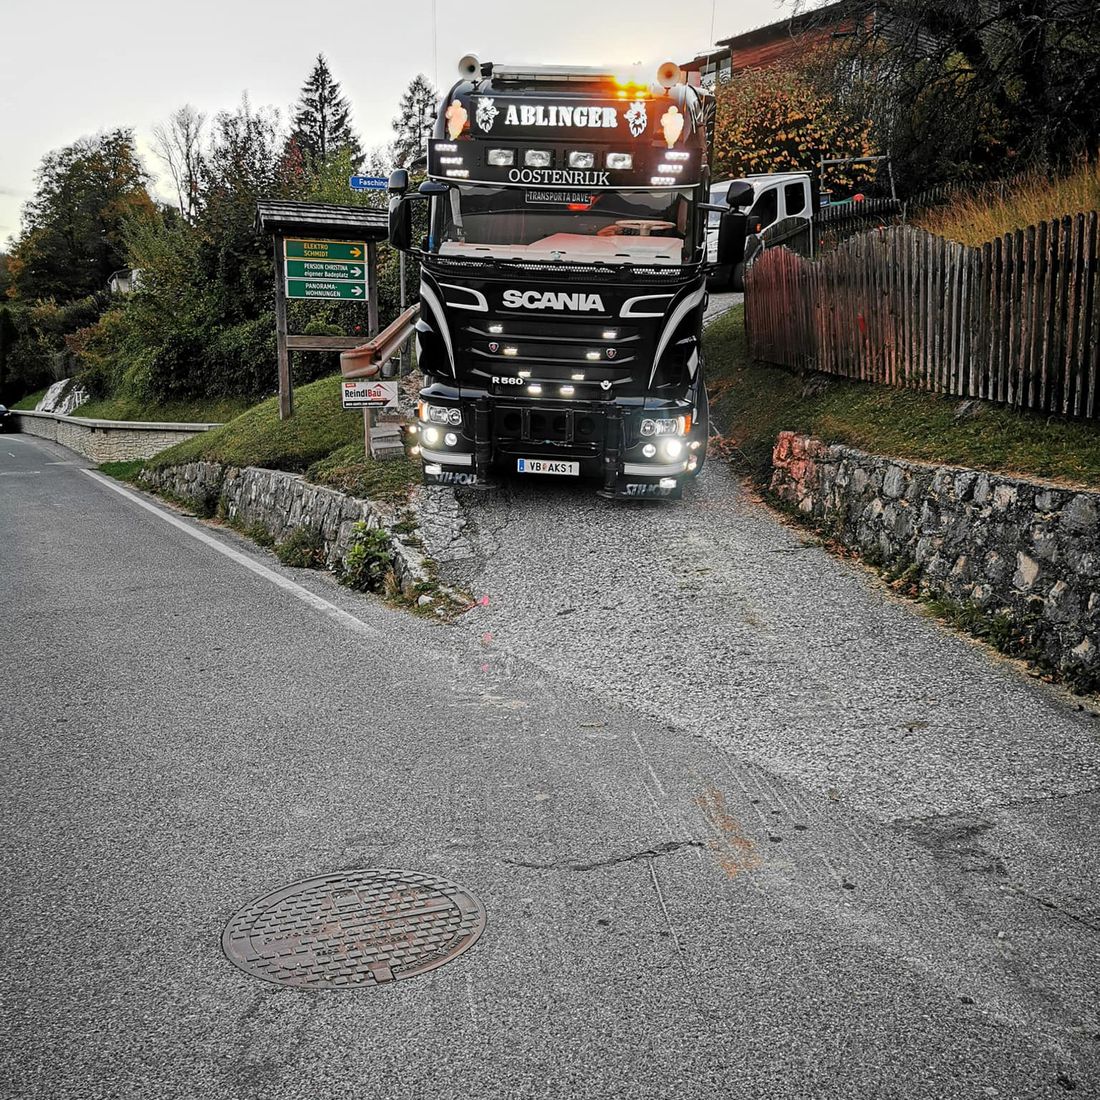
[(563, 278)]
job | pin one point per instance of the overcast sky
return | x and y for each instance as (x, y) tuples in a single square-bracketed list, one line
[(69, 68)]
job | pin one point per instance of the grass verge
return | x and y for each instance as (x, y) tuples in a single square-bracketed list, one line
[(183, 412), (258, 437), (28, 403), (350, 471), (751, 403), (1033, 197)]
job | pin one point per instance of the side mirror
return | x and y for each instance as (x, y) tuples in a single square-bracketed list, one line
[(399, 182), (433, 187), (731, 237), (740, 193), (401, 222)]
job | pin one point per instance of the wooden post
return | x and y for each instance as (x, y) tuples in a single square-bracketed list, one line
[(372, 327), (286, 394)]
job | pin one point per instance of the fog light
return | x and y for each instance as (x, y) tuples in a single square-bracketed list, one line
[(431, 435), (414, 451), (537, 158), (502, 158), (673, 448), (450, 439), (649, 450), (582, 160)]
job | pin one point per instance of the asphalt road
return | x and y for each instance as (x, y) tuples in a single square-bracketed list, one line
[(701, 868)]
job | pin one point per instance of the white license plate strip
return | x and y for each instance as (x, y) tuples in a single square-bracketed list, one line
[(548, 466)]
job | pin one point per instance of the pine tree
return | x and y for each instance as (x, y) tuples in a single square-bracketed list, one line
[(414, 122), (321, 120)]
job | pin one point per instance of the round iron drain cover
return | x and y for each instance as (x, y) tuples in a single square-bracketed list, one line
[(353, 929)]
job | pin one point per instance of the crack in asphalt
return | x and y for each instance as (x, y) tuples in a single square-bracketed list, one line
[(647, 853)]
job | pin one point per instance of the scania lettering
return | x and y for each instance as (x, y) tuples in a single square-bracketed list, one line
[(532, 299), (562, 278)]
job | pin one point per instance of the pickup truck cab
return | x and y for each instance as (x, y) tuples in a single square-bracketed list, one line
[(781, 213)]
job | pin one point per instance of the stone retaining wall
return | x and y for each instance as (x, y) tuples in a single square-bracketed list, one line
[(108, 440), (1008, 545), (282, 503)]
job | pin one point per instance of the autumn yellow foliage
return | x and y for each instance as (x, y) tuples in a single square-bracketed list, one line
[(776, 120)]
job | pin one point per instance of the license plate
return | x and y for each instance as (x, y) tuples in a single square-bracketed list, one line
[(548, 466)]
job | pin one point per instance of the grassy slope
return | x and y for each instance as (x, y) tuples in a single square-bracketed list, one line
[(29, 401), (322, 440), (751, 403), (259, 438), (187, 412), (1033, 198)]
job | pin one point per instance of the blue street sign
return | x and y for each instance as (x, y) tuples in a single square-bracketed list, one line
[(368, 183)]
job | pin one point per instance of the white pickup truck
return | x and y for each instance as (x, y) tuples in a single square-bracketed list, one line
[(782, 212)]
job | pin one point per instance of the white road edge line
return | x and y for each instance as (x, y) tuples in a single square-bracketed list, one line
[(314, 601)]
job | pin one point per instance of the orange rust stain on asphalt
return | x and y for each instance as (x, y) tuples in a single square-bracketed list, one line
[(734, 851)]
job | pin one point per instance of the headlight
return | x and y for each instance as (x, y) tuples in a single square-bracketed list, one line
[(537, 158), (502, 158), (669, 425), (430, 435), (673, 448), (578, 159), (620, 160), (440, 414)]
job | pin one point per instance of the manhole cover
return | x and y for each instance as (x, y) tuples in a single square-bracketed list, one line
[(354, 928)]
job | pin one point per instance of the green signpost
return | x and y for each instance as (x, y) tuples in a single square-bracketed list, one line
[(350, 271), (326, 250), (325, 288), (326, 269)]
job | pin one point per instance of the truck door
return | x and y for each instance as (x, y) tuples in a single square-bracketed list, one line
[(763, 214)]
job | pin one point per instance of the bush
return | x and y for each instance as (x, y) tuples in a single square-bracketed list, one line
[(368, 561), (303, 549)]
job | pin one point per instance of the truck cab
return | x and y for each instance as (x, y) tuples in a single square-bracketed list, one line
[(562, 279), (780, 212)]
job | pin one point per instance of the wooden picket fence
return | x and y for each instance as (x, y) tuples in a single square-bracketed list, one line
[(1015, 321)]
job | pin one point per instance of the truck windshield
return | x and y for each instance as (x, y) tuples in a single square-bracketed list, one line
[(523, 223)]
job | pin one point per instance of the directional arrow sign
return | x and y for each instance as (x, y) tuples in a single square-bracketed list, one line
[(324, 288), (368, 183), (325, 250), (325, 269)]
